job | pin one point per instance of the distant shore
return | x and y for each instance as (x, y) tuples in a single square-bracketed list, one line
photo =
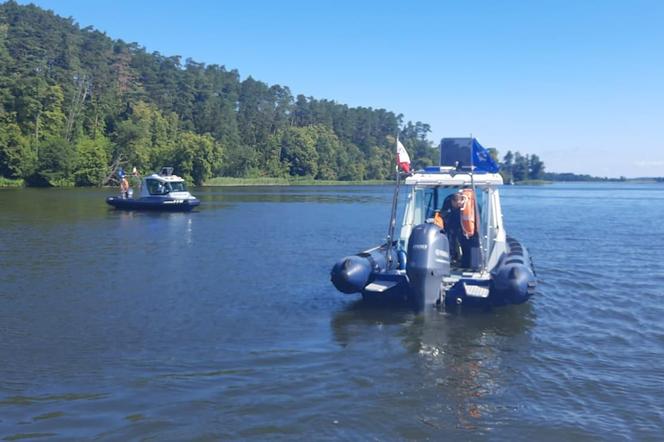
[(531, 183), (232, 181), (266, 181)]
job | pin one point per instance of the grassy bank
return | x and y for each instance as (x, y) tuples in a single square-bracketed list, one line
[(265, 181), (6, 182)]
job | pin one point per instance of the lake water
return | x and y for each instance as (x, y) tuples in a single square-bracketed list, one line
[(222, 324)]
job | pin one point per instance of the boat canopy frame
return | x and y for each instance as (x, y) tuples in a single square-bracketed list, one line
[(417, 210), (450, 177)]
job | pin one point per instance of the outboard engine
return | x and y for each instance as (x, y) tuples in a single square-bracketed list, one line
[(352, 273), (514, 279), (428, 262)]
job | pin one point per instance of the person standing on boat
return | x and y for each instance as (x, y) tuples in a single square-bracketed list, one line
[(136, 180), (451, 214), (124, 187), (458, 214)]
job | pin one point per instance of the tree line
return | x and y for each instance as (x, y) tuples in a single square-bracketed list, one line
[(516, 167), (75, 105)]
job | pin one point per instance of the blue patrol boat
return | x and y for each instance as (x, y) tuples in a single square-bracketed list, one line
[(163, 191), (452, 247)]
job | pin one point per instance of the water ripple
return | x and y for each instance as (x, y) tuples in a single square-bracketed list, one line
[(222, 324)]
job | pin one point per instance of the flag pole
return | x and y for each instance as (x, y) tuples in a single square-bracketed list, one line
[(476, 208), (393, 213)]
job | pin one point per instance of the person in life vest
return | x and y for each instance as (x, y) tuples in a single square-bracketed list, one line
[(438, 219), (136, 178), (467, 208), (458, 215), (124, 187)]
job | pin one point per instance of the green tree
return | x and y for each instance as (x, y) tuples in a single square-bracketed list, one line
[(520, 167), (92, 160), (145, 139), (414, 139), (379, 165), (131, 144), (536, 168), (17, 157), (298, 150), (56, 161), (506, 166), (52, 115), (329, 150), (196, 157)]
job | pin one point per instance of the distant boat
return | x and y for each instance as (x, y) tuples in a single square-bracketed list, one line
[(484, 267), (163, 191)]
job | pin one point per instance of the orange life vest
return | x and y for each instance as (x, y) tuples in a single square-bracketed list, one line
[(468, 213), (438, 220)]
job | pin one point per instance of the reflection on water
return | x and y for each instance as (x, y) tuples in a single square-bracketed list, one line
[(294, 194), (460, 355)]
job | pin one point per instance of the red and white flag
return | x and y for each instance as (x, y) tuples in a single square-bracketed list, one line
[(403, 159)]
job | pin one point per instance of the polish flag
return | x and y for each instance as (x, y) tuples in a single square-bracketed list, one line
[(403, 159)]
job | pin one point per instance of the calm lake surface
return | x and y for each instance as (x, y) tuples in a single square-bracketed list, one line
[(222, 324)]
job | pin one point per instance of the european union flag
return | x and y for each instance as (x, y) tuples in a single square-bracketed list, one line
[(466, 154), (482, 159)]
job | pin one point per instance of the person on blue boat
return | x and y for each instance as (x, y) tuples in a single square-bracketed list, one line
[(136, 179), (458, 214), (451, 221), (438, 219), (124, 187)]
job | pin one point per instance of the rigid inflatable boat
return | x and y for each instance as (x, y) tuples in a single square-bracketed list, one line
[(163, 191), (446, 252)]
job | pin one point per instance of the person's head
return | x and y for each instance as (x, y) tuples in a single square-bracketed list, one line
[(457, 200)]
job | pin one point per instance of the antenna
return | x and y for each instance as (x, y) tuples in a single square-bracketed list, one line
[(476, 208)]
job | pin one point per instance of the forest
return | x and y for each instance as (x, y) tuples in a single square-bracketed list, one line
[(75, 105), (516, 167)]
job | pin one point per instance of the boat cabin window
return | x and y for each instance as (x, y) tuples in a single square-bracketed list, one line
[(178, 186), (424, 201), (156, 187), (428, 200)]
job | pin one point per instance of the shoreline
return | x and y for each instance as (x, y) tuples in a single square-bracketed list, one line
[(241, 182), (6, 183)]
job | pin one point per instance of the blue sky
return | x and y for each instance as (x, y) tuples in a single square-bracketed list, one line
[(580, 83)]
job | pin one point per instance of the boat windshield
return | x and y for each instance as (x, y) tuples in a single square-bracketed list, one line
[(426, 200), (423, 202), (158, 187), (177, 186)]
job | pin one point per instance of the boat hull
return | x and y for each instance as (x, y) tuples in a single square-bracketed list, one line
[(353, 273), (511, 281), (154, 204)]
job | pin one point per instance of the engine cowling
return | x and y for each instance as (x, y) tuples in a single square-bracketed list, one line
[(428, 262)]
